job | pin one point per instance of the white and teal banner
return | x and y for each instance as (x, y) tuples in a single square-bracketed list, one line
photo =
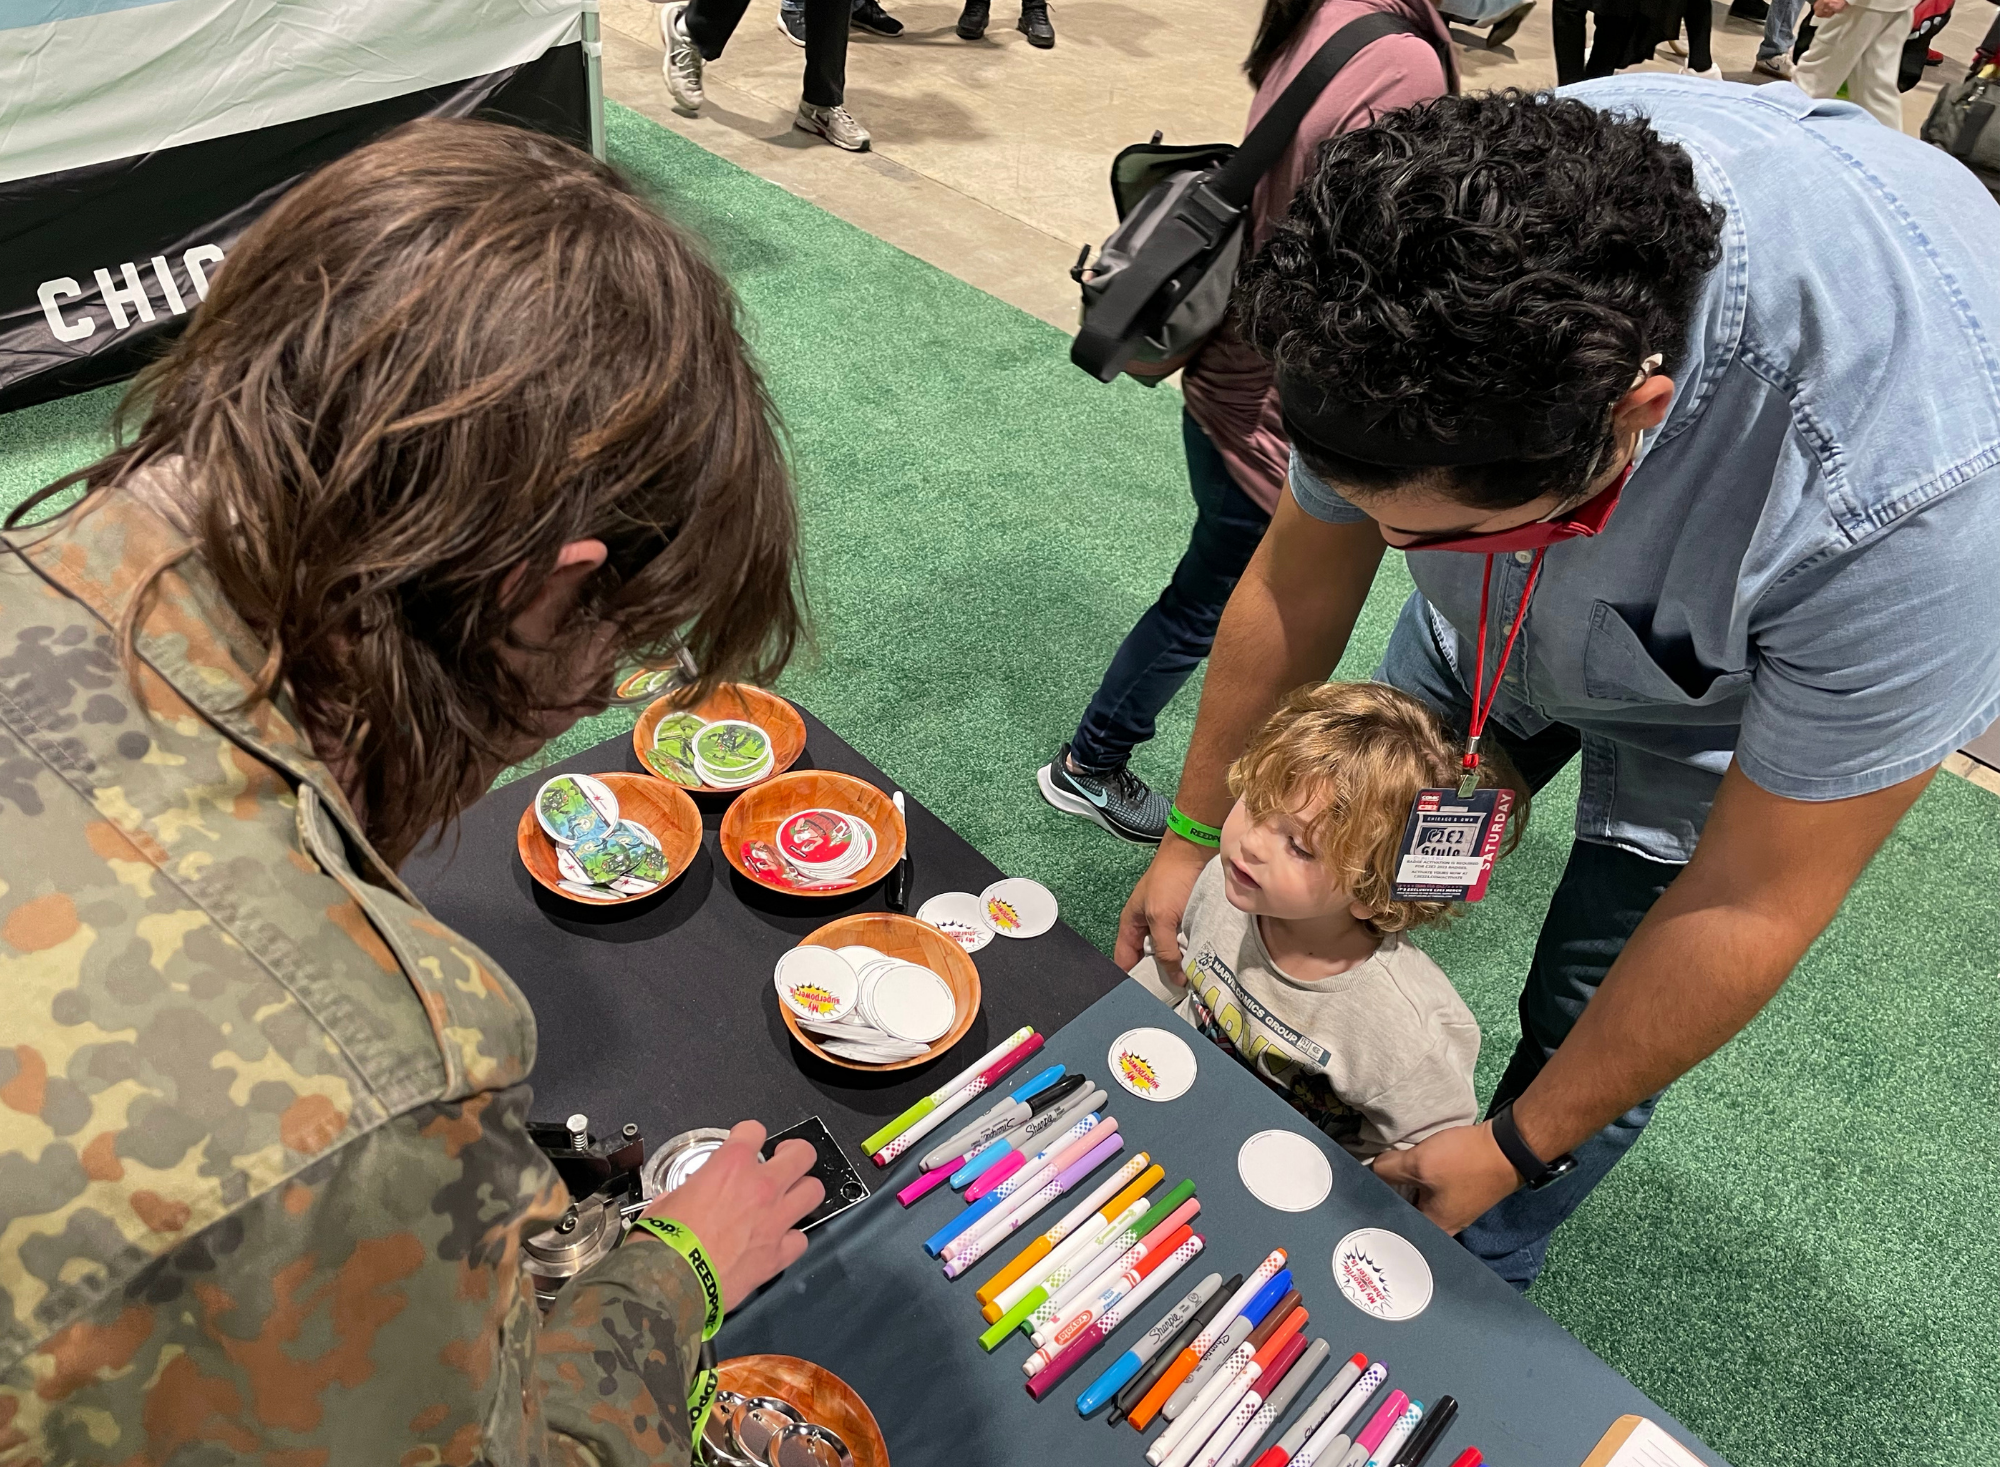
[(139, 138)]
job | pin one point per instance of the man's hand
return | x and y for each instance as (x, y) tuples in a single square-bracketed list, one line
[(1827, 9), (1452, 1176), (1154, 909), (745, 1209)]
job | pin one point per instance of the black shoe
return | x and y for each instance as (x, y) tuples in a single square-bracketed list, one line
[(1504, 28), (1034, 24), (1116, 799), (792, 25), (972, 20), (875, 20)]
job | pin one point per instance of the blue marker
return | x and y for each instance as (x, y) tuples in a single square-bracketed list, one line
[(1033, 1097), (936, 1242), (1112, 1381)]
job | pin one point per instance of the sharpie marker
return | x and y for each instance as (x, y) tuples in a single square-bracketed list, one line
[(1110, 1258), (1329, 1438), (945, 1109), (1276, 1402), (1057, 1115), (1221, 1442), (929, 1104), (1114, 1377), (1105, 1143), (1189, 1358), (1133, 1175), (988, 1142), (1239, 1330), (1277, 1352), (1333, 1397), (1103, 1291), (1161, 1272), (1385, 1451), (1086, 1251), (1365, 1440), (1024, 1143), (1058, 1152), (960, 1142), (1227, 1386)]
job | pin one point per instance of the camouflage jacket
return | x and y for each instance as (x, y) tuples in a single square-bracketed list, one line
[(264, 1171)]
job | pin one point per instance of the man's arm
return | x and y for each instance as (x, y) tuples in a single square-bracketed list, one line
[(1767, 877), (1287, 622)]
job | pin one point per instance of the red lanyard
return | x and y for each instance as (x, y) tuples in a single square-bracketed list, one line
[(1482, 701)]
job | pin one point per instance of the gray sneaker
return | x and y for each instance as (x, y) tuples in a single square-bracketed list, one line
[(835, 124), (1116, 799), (1779, 66), (682, 64)]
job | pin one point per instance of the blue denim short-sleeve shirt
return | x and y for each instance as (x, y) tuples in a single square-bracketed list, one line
[(1803, 573)]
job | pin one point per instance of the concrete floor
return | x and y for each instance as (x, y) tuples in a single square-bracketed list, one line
[(990, 157)]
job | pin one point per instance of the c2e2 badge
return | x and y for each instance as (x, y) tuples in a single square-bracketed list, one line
[(1449, 845)]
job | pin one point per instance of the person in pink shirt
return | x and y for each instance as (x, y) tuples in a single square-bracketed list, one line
[(1236, 447)]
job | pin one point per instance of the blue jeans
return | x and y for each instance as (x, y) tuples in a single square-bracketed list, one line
[(1158, 655), (1781, 28), (1603, 894)]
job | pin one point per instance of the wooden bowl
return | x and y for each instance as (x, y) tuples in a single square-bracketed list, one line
[(764, 807), (656, 804), (768, 711), (817, 1393), (916, 942)]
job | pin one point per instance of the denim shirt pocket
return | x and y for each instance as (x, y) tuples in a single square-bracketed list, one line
[(1618, 667)]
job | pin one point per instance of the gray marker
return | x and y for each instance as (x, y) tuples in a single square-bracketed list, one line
[(1218, 1354)]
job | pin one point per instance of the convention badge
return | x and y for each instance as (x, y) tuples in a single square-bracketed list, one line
[(816, 838), (816, 983), (1382, 1274), (731, 748), (1285, 1170), (1449, 845), (957, 915), (1152, 1064), (575, 807), (1018, 907)]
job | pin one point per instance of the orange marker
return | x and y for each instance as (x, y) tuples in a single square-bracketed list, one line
[(1092, 1214), (1141, 1415)]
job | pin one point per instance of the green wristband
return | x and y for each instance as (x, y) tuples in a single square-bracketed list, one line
[(684, 1242), (1189, 829)]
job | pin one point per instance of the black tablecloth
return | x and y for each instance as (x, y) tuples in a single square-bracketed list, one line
[(662, 1011)]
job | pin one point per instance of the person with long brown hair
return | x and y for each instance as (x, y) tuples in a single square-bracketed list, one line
[(462, 427)]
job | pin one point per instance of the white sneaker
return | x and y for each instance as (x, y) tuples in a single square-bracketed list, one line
[(1779, 66), (682, 64), (835, 124), (1714, 72)]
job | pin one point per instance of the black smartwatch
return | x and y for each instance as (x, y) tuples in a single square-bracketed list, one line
[(1535, 1172)]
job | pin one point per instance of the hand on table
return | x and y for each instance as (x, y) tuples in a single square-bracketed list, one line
[(744, 1209), (1453, 1176), (1155, 907)]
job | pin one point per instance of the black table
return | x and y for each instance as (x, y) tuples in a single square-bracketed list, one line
[(663, 1013)]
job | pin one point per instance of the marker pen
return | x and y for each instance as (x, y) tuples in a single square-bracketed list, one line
[(1329, 1439), (1064, 1173), (1385, 1451), (1276, 1401), (1123, 1250), (923, 1108), (1026, 1050), (1035, 1139), (1216, 1360), (1059, 1114), (1099, 1203), (1105, 1144), (1190, 1357), (1078, 1350), (1113, 1284), (1365, 1440), (1063, 1261), (968, 1139), (1425, 1436), (1468, 1458), (1208, 1410), (1121, 1370), (1007, 1323), (933, 1178), (1059, 1152), (1222, 1443), (1334, 1397), (1134, 1391)]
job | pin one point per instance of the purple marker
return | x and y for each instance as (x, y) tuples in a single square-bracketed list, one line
[(1102, 1148)]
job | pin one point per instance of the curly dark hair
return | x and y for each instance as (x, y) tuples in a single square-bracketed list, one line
[(1474, 262)]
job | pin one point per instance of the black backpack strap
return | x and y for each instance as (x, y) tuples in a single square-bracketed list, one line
[(1236, 181)]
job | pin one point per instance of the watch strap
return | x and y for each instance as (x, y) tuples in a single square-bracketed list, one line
[(1521, 1156)]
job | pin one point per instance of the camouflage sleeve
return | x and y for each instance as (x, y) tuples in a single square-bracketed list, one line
[(616, 1354)]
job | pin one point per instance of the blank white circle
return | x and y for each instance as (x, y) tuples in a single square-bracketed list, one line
[(913, 1003), (1284, 1170)]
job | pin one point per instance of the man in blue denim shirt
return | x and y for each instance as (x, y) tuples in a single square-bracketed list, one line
[(1780, 317)]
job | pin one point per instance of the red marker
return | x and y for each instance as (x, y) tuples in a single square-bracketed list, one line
[(1468, 1458)]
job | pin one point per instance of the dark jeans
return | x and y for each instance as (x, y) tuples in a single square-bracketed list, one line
[(1176, 632), (1609, 43), (1603, 894), (710, 24)]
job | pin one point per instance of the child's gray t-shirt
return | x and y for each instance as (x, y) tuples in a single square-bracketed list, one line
[(1377, 1057)]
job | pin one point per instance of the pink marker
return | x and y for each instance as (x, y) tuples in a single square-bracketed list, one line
[(1078, 1350), (1072, 1148), (995, 1174), (929, 1181), (1378, 1426)]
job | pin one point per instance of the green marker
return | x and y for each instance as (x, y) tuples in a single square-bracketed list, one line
[(943, 1093), (1028, 1303)]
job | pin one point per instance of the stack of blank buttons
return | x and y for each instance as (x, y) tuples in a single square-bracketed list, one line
[(863, 1005)]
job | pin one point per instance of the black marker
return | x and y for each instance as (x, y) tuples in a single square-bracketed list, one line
[(1136, 1388), (896, 890), (1426, 1435)]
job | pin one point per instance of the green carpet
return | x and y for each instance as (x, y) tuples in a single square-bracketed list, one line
[(1799, 1260)]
